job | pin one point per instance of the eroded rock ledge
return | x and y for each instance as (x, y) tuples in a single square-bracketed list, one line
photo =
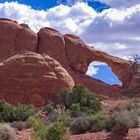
[(35, 66)]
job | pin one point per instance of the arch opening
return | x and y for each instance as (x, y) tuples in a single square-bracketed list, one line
[(101, 71)]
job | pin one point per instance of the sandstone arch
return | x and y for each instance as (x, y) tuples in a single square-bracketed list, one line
[(87, 54), (39, 64)]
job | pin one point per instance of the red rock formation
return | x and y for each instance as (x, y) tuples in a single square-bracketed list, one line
[(15, 38), (30, 73), (86, 54), (52, 43), (32, 78)]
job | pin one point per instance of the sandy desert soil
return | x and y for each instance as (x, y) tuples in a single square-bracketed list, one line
[(133, 134)]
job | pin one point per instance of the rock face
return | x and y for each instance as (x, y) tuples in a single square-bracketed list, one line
[(15, 38), (32, 78), (35, 66), (52, 42)]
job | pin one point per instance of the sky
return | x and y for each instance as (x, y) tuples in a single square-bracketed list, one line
[(108, 25)]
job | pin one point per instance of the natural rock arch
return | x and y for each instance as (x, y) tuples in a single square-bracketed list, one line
[(85, 54), (40, 64)]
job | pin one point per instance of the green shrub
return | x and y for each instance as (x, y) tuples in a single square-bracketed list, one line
[(137, 111), (110, 122), (58, 113), (97, 122), (48, 108), (134, 103), (92, 123), (57, 131), (80, 125), (11, 113), (134, 106), (66, 97), (23, 112), (6, 111), (75, 110), (81, 95), (39, 128), (7, 132), (116, 109), (18, 125), (121, 122)]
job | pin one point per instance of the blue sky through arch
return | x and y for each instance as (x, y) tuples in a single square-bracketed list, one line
[(103, 72)]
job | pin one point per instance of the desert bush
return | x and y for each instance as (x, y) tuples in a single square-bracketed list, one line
[(6, 111), (137, 111), (81, 95), (54, 131), (75, 110), (97, 122), (56, 112), (7, 132), (49, 108), (92, 123), (121, 122), (80, 125), (60, 114), (110, 122), (23, 112), (116, 109), (57, 131), (18, 125), (65, 97), (39, 128), (11, 113), (134, 106)]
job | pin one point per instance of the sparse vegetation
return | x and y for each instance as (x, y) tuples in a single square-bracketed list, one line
[(23, 112), (18, 125), (92, 123), (7, 132), (77, 111), (134, 71), (81, 99), (81, 109), (80, 125), (10, 113), (97, 122), (59, 113), (121, 121), (57, 131), (48, 108), (134, 106), (39, 128), (52, 131)]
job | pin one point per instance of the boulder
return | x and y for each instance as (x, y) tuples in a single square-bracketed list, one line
[(31, 78), (15, 38), (52, 43)]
